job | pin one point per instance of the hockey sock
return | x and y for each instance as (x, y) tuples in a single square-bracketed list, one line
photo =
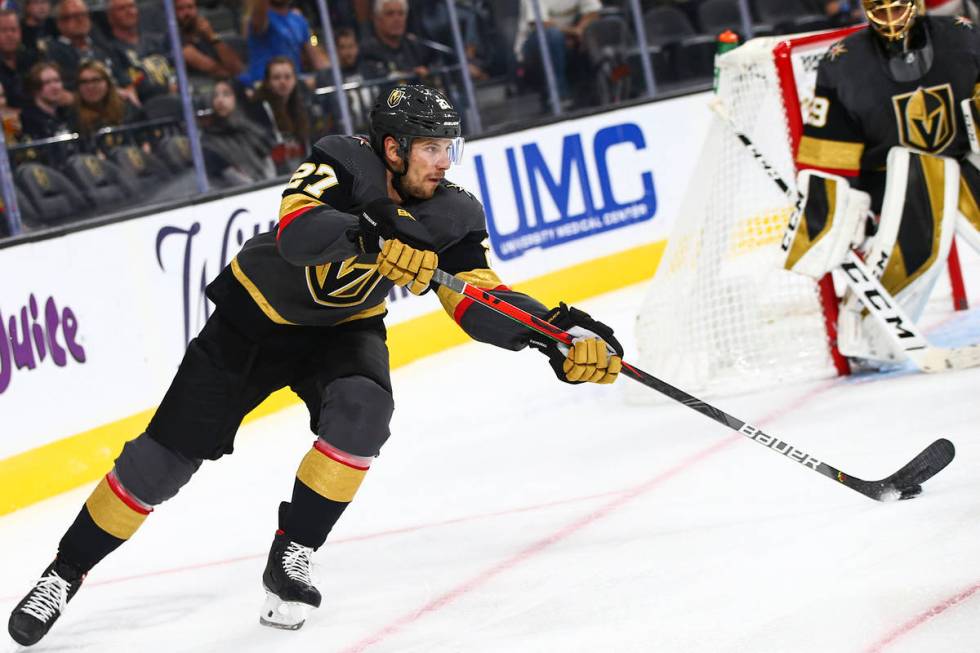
[(109, 517), (325, 484)]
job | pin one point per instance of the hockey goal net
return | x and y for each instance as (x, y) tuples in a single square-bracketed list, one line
[(720, 315)]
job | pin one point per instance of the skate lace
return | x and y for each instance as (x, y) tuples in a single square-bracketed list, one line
[(296, 562), (48, 597)]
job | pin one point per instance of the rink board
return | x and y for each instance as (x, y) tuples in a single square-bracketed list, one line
[(94, 323)]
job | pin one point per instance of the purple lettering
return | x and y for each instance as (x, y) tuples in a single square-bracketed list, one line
[(17, 348), (51, 322), (5, 370), (37, 331), (70, 327), (21, 347)]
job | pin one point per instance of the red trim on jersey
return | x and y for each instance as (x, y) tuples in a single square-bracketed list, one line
[(782, 57), (833, 171), (342, 457), (132, 502), (289, 217), (464, 305)]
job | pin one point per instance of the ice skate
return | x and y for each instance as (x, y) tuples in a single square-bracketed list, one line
[(36, 613), (290, 594)]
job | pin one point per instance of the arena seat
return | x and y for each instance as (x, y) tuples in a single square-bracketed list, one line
[(143, 168), (101, 182), (51, 193), (681, 53)]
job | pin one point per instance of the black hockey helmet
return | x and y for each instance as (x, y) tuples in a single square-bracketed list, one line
[(415, 111)]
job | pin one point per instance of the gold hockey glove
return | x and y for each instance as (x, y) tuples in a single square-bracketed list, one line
[(595, 355), (407, 266)]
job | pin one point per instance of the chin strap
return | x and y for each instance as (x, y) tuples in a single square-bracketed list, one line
[(396, 176)]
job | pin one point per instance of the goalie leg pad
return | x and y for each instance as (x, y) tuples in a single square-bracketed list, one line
[(827, 222), (914, 236), (918, 217)]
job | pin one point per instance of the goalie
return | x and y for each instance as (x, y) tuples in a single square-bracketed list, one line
[(891, 131)]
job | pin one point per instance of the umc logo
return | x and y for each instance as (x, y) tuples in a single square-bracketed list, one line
[(926, 118), (565, 206)]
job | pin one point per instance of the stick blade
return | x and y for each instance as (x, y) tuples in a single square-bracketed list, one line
[(907, 482)]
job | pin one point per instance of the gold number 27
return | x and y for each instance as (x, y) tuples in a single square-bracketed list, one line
[(328, 178)]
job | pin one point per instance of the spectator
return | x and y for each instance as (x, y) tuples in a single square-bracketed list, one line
[(242, 146), (275, 30), (98, 103), (37, 24), (10, 118), (564, 23), (433, 23), (844, 12), (141, 56), (15, 60), (47, 115), (279, 105), (341, 14), (390, 46), (78, 42), (353, 68), (204, 51)]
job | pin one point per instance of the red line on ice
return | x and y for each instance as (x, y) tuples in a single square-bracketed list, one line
[(541, 545), (922, 618)]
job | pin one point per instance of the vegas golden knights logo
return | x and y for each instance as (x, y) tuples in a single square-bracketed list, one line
[(395, 98), (926, 118), (343, 284)]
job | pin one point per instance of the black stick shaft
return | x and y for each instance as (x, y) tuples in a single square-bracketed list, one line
[(926, 464)]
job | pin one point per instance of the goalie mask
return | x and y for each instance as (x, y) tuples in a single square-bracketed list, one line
[(892, 19)]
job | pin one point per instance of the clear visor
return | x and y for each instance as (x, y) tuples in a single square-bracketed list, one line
[(456, 150), (439, 150)]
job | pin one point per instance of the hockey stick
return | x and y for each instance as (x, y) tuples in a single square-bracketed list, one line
[(901, 330), (903, 484)]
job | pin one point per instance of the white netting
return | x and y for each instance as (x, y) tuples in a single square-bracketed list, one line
[(721, 315)]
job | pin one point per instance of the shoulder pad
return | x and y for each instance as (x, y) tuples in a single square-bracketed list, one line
[(451, 214)]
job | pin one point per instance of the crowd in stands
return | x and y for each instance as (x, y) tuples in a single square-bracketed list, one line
[(95, 80)]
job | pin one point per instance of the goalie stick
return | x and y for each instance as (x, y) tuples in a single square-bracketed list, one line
[(901, 330), (903, 484)]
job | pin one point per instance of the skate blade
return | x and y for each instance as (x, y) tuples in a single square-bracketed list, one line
[(286, 615)]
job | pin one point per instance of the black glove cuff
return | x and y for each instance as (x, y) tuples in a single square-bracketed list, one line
[(565, 317)]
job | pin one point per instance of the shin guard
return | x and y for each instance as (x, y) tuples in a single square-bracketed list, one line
[(109, 517), (326, 483)]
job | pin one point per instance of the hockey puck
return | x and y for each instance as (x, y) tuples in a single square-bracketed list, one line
[(910, 492)]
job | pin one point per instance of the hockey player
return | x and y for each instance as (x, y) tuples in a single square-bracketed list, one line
[(892, 127), (303, 307)]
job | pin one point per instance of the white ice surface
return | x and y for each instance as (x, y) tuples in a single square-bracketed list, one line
[(510, 512)]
